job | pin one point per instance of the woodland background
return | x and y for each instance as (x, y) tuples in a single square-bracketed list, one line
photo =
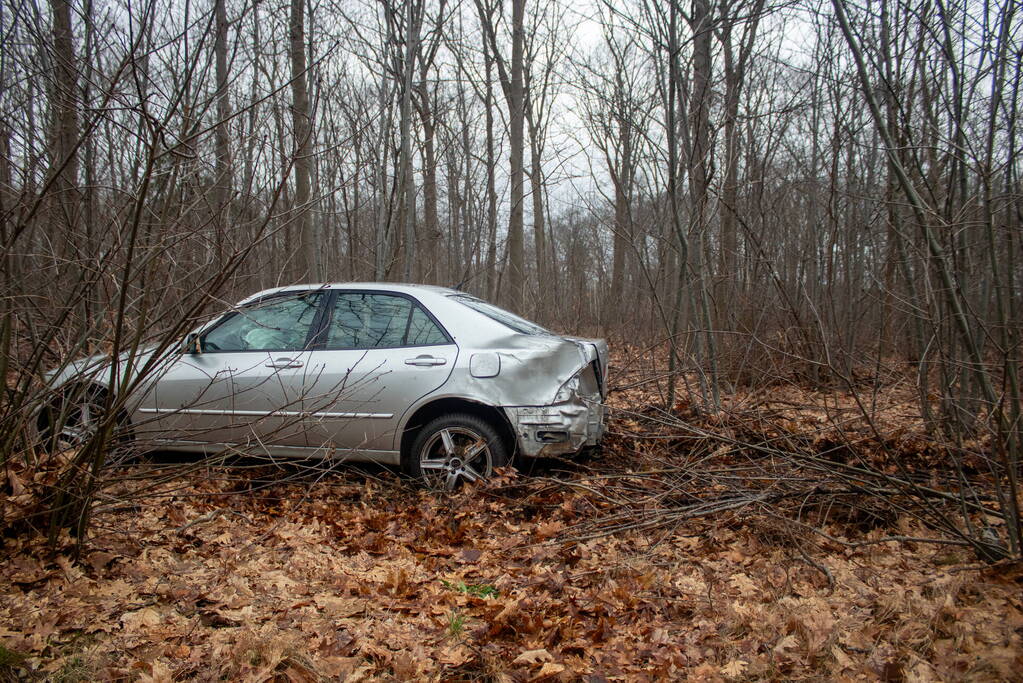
[(800, 222)]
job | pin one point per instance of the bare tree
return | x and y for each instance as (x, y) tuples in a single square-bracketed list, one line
[(736, 64), (64, 138), (514, 91), (426, 108), (306, 263), (223, 169)]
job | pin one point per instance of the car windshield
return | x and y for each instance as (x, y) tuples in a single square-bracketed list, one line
[(506, 318)]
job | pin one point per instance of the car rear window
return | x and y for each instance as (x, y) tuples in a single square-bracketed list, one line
[(506, 318)]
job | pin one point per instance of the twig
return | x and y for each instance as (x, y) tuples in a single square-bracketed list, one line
[(210, 516), (818, 566)]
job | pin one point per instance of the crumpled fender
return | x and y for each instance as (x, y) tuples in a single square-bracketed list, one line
[(532, 370)]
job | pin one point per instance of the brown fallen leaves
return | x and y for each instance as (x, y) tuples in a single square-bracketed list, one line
[(305, 593), (361, 577)]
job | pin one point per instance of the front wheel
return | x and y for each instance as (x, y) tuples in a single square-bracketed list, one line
[(75, 418), (454, 449)]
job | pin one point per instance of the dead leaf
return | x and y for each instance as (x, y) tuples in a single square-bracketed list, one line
[(339, 668), (533, 657), (17, 488), (144, 618), (71, 572), (161, 673), (734, 668), (99, 559), (469, 556), (339, 607), (841, 658), (456, 655), (550, 529), (745, 585), (547, 670), (786, 644)]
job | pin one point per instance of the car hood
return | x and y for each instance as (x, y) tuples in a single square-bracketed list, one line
[(96, 368)]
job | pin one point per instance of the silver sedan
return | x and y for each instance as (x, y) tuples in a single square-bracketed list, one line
[(444, 384)]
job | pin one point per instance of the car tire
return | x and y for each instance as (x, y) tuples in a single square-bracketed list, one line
[(82, 412), (454, 449)]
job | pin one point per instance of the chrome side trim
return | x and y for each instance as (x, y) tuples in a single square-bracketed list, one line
[(263, 413)]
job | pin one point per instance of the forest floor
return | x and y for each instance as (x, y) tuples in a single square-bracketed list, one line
[(664, 556)]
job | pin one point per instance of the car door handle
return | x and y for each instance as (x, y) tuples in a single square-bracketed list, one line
[(425, 360), (284, 363)]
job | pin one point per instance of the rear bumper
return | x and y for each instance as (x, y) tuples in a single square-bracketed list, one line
[(560, 429)]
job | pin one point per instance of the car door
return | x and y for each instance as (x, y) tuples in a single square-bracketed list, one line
[(379, 353), (245, 383)]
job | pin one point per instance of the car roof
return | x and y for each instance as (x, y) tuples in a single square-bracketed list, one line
[(404, 287)]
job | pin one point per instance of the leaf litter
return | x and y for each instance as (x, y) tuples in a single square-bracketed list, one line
[(640, 563)]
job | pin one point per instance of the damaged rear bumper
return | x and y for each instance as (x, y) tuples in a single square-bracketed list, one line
[(575, 416), (560, 429)]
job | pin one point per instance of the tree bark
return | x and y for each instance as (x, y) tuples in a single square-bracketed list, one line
[(64, 137), (735, 79), (699, 173), (413, 18), (488, 105), (306, 267), (536, 186), (431, 269), (224, 181), (517, 114)]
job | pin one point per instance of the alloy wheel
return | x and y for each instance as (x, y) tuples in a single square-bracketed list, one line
[(454, 455)]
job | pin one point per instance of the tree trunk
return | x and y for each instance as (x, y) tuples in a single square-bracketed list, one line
[(488, 105), (516, 119), (306, 267), (623, 175), (735, 78), (536, 192), (65, 133), (224, 180), (407, 180), (431, 268), (699, 172)]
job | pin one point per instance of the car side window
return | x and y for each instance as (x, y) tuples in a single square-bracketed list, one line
[(374, 321), (423, 331), (277, 324)]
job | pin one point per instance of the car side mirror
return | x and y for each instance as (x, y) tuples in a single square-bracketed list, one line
[(191, 344)]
